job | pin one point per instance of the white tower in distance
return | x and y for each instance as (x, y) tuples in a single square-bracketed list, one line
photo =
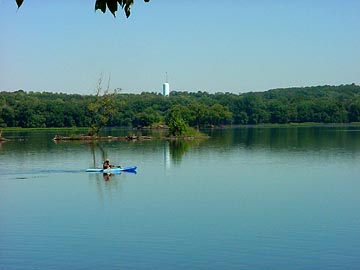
[(166, 87)]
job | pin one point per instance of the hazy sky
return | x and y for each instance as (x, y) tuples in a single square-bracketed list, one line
[(215, 46)]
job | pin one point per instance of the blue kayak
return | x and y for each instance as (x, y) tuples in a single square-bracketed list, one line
[(113, 170)]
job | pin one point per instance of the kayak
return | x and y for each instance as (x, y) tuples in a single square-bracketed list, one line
[(113, 170)]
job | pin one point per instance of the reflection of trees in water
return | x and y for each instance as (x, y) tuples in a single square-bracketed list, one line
[(178, 148), (97, 146), (284, 138), (107, 186)]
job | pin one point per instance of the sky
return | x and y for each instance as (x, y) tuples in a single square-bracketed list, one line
[(232, 46)]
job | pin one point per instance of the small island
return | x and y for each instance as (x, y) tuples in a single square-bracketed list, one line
[(101, 138)]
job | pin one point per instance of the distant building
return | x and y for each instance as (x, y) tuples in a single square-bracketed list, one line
[(166, 89)]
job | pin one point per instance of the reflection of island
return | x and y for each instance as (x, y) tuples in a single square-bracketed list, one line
[(176, 149), (106, 186), (2, 139)]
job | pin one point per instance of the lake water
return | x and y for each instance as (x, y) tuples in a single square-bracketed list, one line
[(246, 198)]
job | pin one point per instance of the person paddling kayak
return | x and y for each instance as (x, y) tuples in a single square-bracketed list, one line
[(106, 164)]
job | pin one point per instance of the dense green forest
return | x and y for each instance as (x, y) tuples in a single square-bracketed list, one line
[(321, 104)]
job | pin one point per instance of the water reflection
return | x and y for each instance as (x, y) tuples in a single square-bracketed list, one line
[(264, 203), (107, 176), (107, 186), (177, 149), (28, 145), (167, 156), (300, 138), (251, 137)]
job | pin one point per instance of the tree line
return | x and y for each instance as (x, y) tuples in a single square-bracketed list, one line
[(320, 104)]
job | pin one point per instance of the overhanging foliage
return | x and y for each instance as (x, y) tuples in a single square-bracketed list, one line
[(112, 5)]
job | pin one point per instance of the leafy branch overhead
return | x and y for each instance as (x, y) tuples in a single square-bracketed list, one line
[(112, 5), (19, 3)]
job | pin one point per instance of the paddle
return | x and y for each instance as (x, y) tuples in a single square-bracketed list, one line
[(113, 166)]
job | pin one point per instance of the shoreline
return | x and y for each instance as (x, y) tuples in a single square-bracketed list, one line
[(306, 124), (101, 138)]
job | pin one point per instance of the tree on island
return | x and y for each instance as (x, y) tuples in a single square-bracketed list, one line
[(177, 119), (176, 123), (102, 107), (112, 5)]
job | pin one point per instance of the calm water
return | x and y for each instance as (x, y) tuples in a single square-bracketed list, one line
[(247, 198)]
